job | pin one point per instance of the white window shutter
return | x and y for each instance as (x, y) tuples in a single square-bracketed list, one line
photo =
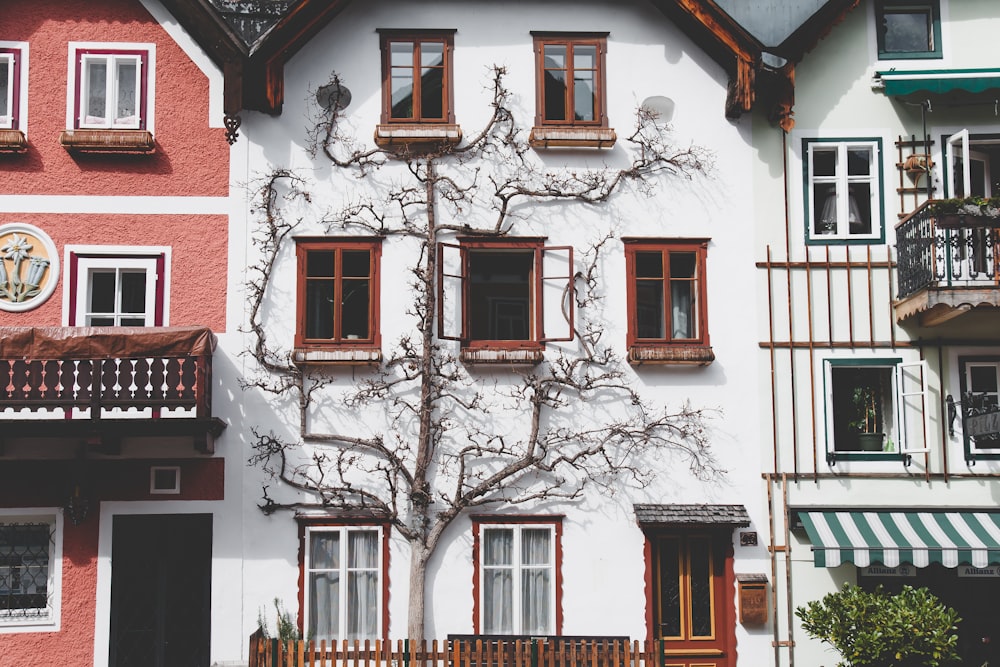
[(912, 383)]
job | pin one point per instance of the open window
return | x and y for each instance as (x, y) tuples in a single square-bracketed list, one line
[(117, 288), (338, 300), (970, 250), (667, 301), (875, 407), (843, 191), (343, 582), (417, 90), (111, 101), (908, 29), (504, 298), (517, 569), (571, 91)]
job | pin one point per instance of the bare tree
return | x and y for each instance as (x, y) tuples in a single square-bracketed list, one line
[(440, 454)]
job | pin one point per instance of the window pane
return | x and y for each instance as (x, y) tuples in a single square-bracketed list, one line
[(401, 79), (93, 321), (324, 551), (432, 54), (356, 263), (24, 570), (355, 309), (536, 585), (127, 107), (498, 601), (500, 290), (97, 82), (324, 605), (983, 379), (133, 292), (859, 208), (862, 403), (362, 549), (908, 30), (554, 56), (670, 589), (682, 309), (649, 264), (432, 93), (535, 546), (498, 547), (824, 161), (401, 54), (859, 161), (651, 322), (319, 308), (701, 588), (554, 86), (362, 584), (321, 263), (5, 87), (825, 208), (583, 96), (102, 292)]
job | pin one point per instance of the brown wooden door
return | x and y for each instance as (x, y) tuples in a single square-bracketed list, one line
[(693, 602)]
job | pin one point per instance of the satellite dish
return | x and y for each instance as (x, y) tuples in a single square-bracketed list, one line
[(661, 107), (333, 95)]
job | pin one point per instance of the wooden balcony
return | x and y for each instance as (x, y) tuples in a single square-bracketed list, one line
[(98, 385), (948, 264)]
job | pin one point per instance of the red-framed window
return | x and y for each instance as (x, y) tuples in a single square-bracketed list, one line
[(121, 290), (505, 293), (667, 302), (517, 580), (570, 79), (417, 76), (10, 88), (112, 87), (343, 579), (338, 292)]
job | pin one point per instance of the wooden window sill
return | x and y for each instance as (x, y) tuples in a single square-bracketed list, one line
[(572, 137), (517, 356), (343, 356), (12, 141), (107, 141), (413, 135), (681, 355)]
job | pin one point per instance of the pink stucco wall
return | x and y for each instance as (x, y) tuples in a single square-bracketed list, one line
[(190, 157)]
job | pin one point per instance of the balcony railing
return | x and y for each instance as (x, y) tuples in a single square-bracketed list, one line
[(68, 381), (950, 251)]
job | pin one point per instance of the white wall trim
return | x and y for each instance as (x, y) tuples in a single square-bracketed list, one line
[(115, 250), (23, 69), (114, 205), (55, 568), (150, 75)]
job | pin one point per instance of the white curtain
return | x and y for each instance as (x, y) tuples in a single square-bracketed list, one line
[(536, 581), (97, 88), (324, 586), (127, 79), (681, 316), (498, 584), (362, 584)]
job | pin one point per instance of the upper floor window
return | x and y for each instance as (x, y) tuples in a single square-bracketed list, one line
[(112, 87), (517, 565), (875, 405), (30, 557), (908, 29), (667, 300), (337, 292), (417, 76), (843, 190), (980, 384), (115, 288), (10, 87), (344, 575), (570, 79), (504, 293)]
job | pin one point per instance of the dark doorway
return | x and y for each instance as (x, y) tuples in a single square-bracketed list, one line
[(161, 575)]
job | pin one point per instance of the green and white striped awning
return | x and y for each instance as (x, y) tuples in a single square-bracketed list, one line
[(902, 83), (894, 537)]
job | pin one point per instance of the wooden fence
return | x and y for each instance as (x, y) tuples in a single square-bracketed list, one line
[(491, 652)]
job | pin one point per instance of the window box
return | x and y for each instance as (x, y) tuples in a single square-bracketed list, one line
[(570, 91), (415, 137), (338, 301), (517, 586), (107, 141), (504, 298), (12, 141), (667, 301), (843, 191), (908, 30)]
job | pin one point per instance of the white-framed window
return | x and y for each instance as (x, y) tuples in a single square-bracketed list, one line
[(111, 86), (843, 190), (13, 84), (343, 582), (30, 570), (980, 396), (875, 406), (517, 579), (117, 286)]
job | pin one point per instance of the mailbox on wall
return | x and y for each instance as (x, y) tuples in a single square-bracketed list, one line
[(753, 598)]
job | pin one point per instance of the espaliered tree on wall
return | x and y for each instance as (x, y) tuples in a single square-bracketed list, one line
[(439, 452)]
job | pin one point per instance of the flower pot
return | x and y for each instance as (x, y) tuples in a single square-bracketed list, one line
[(871, 442)]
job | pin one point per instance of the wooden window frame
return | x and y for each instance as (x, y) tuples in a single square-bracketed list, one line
[(570, 41), (467, 247), (517, 522), (668, 349), (305, 245), (310, 524), (934, 9), (154, 260), (110, 55), (445, 37)]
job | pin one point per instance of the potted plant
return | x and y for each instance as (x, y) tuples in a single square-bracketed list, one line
[(867, 421), (953, 212)]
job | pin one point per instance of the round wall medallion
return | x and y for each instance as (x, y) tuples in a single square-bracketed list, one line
[(29, 267)]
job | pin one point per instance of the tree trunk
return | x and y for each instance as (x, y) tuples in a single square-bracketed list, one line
[(419, 555)]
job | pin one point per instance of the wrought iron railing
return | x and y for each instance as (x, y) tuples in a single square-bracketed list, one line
[(946, 251)]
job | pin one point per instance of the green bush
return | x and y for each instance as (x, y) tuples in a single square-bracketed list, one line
[(877, 629)]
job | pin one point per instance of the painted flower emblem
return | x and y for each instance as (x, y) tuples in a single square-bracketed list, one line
[(16, 248)]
